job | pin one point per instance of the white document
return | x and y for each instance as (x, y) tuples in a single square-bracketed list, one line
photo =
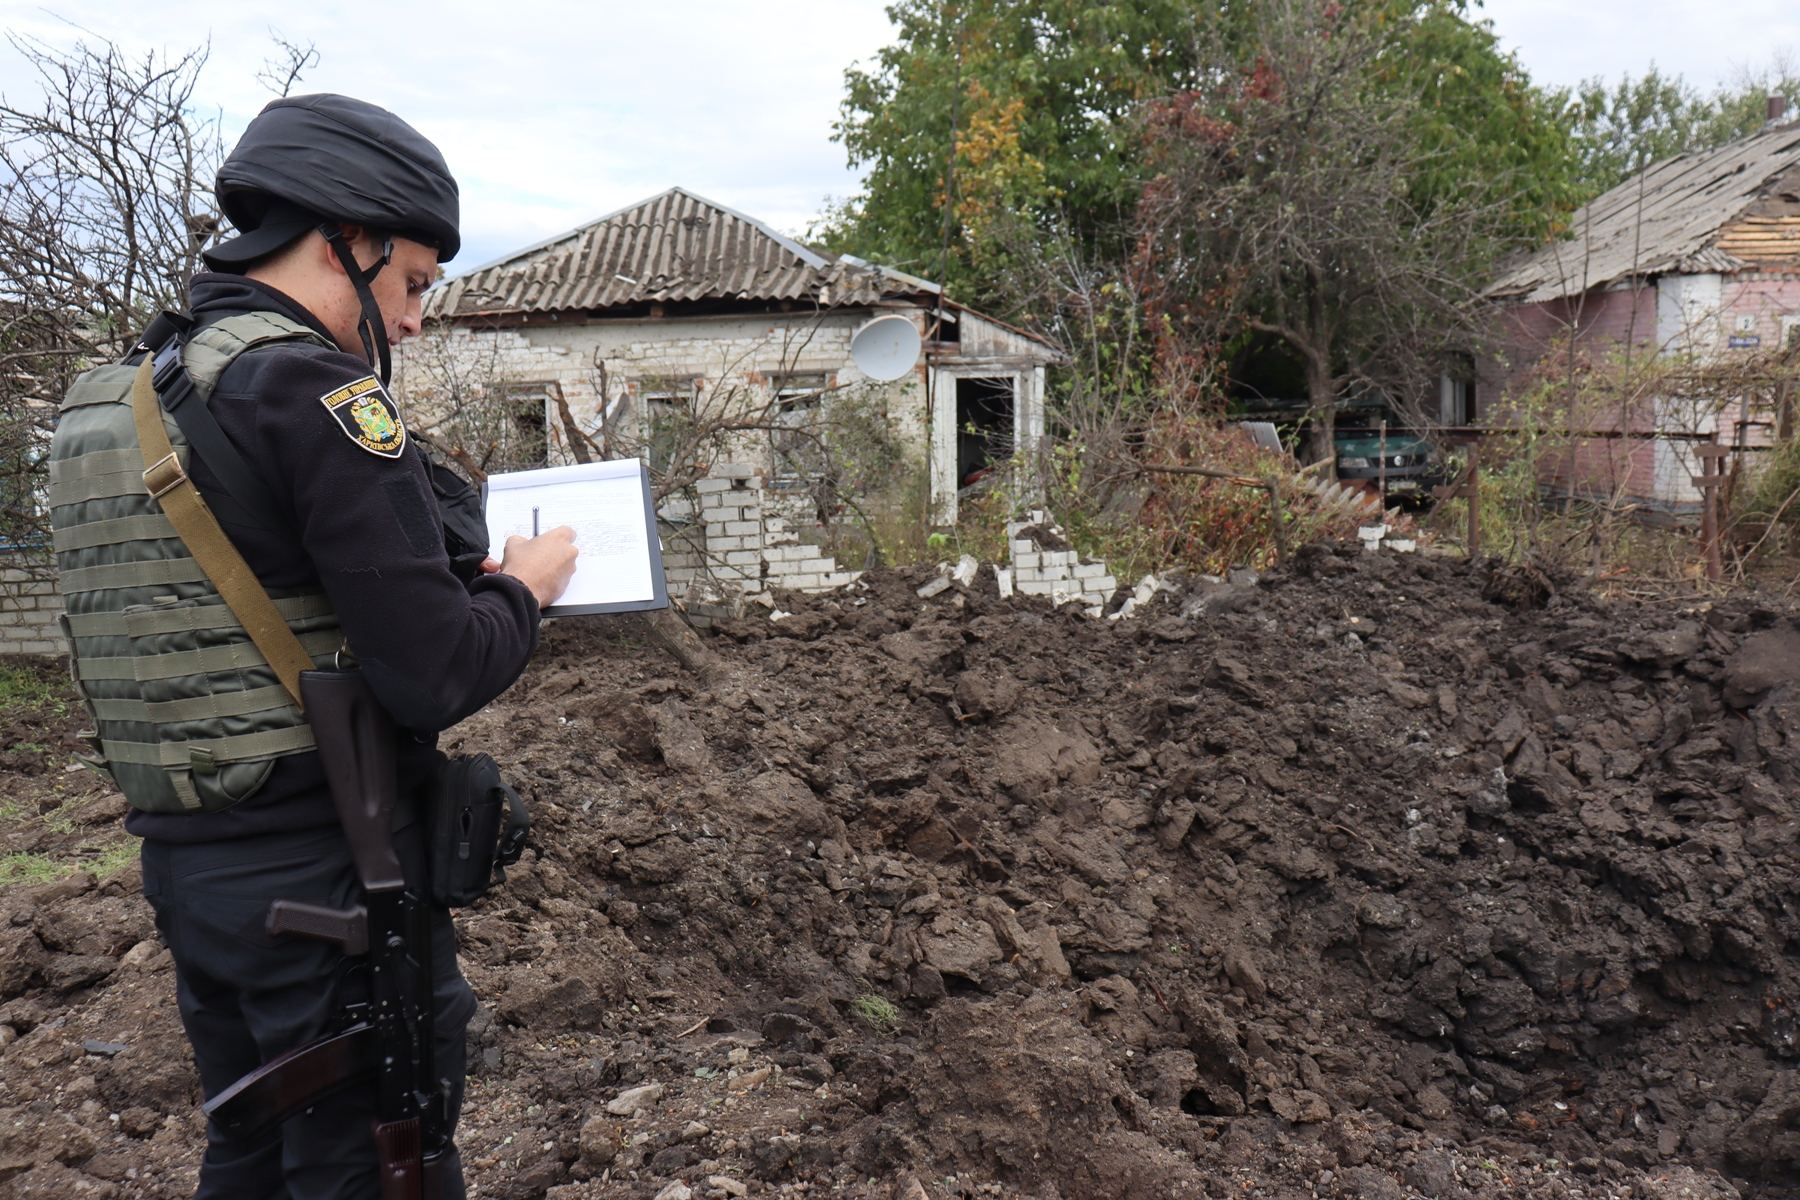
[(619, 565)]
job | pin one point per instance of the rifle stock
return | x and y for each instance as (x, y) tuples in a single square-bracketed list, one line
[(402, 1166), (294, 1081)]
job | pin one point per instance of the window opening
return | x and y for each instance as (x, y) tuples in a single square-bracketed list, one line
[(524, 433), (668, 407), (1456, 393), (795, 457)]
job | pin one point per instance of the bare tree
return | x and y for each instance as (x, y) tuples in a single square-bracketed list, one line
[(104, 208), (463, 400), (455, 390), (1112, 380), (837, 437), (288, 65), (105, 200)]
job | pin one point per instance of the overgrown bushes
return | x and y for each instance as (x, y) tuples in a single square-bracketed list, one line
[(1588, 439)]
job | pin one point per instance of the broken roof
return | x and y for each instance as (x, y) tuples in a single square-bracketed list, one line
[(669, 248), (1665, 219)]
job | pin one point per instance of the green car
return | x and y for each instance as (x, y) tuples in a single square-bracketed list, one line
[(1411, 460)]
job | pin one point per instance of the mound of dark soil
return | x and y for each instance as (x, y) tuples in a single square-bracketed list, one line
[(1357, 881)]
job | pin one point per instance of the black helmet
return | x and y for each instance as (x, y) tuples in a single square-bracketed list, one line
[(311, 162), (308, 157)]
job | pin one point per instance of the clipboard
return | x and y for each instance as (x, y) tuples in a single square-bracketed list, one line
[(609, 504)]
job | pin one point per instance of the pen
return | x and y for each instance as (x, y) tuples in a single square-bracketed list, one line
[(534, 531)]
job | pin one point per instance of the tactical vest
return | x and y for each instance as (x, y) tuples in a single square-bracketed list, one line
[(188, 714)]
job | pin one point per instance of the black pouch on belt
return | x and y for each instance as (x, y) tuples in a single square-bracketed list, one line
[(477, 827)]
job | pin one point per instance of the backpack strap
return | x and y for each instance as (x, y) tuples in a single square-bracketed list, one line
[(247, 498), (213, 347), (170, 487), (188, 368)]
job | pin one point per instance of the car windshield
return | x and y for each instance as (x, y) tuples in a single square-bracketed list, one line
[(1395, 435)]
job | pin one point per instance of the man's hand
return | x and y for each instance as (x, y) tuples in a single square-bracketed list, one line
[(544, 563)]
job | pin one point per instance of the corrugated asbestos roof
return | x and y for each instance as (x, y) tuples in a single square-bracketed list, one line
[(1667, 218), (672, 247)]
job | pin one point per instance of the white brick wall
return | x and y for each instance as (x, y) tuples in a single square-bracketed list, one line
[(28, 610), (734, 553), (728, 356), (1061, 575)]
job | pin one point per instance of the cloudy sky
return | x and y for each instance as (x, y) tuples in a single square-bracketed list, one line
[(1563, 42), (553, 113)]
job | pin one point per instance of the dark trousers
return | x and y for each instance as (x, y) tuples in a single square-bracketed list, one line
[(246, 997)]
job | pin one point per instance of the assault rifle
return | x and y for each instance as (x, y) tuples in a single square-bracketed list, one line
[(388, 1038)]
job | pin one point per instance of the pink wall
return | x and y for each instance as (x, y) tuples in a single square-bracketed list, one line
[(1603, 322), (1765, 300), (1605, 467)]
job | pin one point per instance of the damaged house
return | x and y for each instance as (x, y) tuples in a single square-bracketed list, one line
[(1697, 256), (659, 309)]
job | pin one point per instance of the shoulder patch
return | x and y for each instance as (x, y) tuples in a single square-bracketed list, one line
[(368, 416)]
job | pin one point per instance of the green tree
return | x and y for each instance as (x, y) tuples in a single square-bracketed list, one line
[(1620, 129), (1479, 121), (1049, 98), (1046, 127), (1742, 105)]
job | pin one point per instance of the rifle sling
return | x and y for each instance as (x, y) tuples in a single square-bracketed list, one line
[(170, 486)]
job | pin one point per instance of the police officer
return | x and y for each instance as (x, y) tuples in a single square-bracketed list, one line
[(343, 214)]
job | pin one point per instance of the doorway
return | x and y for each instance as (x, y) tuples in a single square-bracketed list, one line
[(984, 426)]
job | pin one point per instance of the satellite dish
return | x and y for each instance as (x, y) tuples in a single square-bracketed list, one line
[(886, 348)]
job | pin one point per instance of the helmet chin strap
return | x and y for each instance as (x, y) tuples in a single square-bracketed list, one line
[(372, 328)]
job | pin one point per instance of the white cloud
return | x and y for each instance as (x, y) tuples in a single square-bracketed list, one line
[(1563, 43), (549, 113)]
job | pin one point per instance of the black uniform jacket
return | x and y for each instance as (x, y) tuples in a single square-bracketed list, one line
[(366, 533)]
